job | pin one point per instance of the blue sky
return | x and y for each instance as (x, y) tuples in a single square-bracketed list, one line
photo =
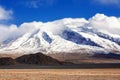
[(20, 11)]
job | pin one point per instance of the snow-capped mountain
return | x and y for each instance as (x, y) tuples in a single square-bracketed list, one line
[(65, 35)]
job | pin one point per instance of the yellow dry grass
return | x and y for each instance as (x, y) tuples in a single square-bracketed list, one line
[(60, 74)]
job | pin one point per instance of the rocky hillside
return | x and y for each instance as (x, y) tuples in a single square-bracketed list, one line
[(32, 59), (7, 61), (38, 59)]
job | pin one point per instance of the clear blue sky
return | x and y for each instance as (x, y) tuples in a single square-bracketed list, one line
[(49, 10)]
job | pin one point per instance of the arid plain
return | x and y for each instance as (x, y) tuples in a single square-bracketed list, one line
[(59, 74)]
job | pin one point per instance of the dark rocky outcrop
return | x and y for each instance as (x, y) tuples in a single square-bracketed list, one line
[(7, 61), (32, 59), (38, 59)]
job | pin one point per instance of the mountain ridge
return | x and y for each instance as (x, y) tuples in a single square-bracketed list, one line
[(65, 35)]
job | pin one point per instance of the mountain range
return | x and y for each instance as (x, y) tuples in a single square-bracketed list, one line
[(65, 36)]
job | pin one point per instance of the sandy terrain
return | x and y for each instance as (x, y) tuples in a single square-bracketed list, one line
[(60, 74)]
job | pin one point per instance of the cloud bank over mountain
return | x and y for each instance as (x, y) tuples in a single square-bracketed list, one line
[(101, 22)]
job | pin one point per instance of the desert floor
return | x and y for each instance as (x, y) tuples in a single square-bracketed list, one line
[(59, 74)]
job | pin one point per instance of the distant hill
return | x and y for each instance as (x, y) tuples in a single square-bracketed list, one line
[(78, 58), (7, 61), (38, 59), (33, 59)]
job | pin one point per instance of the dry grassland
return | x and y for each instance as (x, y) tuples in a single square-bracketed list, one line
[(60, 74)]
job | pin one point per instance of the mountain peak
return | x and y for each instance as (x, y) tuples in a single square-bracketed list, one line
[(66, 35)]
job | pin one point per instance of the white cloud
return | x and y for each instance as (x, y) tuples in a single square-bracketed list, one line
[(108, 2), (5, 14), (32, 4), (102, 22), (37, 3), (98, 22), (7, 31), (14, 31)]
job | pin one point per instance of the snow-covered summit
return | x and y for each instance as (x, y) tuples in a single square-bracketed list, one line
[(95, 34)]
